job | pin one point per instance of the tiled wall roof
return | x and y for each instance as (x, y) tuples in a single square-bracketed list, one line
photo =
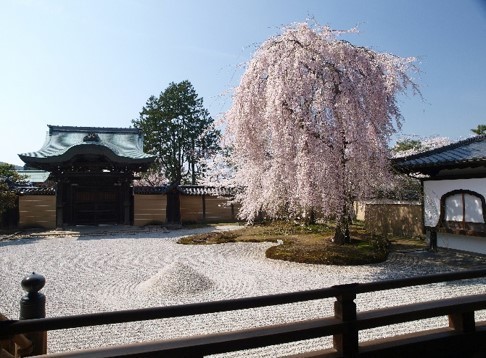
[(469, 151)]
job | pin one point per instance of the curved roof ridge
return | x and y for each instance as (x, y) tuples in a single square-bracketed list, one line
[(58, 128), (120, 145), (453, 145)]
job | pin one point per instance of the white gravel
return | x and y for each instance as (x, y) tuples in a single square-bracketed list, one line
[(147, 269)]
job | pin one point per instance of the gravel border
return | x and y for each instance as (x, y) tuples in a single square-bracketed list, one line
[(134, 269)]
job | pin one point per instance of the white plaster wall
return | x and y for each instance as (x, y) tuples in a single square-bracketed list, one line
[(464, 243), (434, 189)]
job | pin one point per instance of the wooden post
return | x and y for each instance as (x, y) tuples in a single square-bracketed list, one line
[(18, 344), (433, 240), (59, 204), (125, 194), (462, 322), (33, 305), (345, 310), (204, 207)]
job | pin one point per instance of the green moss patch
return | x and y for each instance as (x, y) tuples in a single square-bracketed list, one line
[(324, 252), (310, 244)]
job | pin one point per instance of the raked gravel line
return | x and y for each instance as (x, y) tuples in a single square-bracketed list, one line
[(135, 270)]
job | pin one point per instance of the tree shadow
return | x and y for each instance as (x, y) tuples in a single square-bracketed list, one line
[(103, 232), (23, 240), (135, 233)]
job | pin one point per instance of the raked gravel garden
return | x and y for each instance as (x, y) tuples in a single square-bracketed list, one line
[(147, 268)]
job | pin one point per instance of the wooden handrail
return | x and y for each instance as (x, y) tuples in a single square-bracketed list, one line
[(102, 318), (276, 334), (344, 326), (418, 280), (145, 314), (220, 342), (22, 342), (417, 311)]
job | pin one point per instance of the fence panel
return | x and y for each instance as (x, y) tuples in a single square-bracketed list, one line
[(405, 220)]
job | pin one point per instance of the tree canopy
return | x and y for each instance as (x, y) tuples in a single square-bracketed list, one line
[(479, 130), (409, 146), (310, 124), (179, 131), (9, 178)]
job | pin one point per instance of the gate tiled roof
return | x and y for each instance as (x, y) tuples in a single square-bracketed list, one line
[(36, 191), (206, 190), (119, 145), (186, 190)]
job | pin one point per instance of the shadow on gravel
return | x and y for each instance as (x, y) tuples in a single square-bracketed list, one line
[(452, 258), (26, 240), (121, 235), (415, 263), (102, 232), (82, 233), (135, 233)]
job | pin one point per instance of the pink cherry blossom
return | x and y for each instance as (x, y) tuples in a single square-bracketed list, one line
[(310, 124)]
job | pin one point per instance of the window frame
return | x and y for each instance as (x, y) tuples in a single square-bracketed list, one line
[(462, 227)]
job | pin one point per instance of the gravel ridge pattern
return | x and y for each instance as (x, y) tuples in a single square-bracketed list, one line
[(88, 274)]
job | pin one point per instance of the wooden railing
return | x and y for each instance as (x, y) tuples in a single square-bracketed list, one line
[(463, 337), (15, 346)]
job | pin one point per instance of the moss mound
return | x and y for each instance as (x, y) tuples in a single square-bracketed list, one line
[(304, 243), (210, 238), (358, 252)]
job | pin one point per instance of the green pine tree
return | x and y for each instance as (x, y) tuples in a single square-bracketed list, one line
[(480, 130), (8, 179), (179, 131)]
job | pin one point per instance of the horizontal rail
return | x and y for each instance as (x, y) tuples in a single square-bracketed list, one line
[(417, 311), (220, 342), (419, 280), (199, 346), (23, 343), (8, 328), (145, 314)]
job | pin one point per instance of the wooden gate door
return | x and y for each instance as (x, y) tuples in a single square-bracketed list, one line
[(94, 205)]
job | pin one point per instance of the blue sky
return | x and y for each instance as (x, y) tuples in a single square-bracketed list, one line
[(96, 62)]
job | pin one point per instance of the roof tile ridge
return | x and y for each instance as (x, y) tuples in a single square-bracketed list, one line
[(439, 150), (61, 128)]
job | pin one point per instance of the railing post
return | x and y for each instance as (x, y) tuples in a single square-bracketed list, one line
[(433, 239), (345, 310), (33, 305), (462, 321)]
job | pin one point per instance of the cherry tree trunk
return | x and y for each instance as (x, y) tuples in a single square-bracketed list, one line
[(341, 234)]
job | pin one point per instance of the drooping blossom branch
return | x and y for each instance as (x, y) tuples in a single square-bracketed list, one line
[(310, 124)]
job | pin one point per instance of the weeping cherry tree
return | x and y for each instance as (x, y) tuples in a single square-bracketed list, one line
[(310, 124)]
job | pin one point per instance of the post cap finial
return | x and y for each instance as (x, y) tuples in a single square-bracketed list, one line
[(33, 282)]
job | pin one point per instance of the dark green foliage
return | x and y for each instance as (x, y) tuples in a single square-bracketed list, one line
[(218, 237), (283, 228), (480, 129), (355, 253), (179, 131), (407, 144), (9, 178)]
